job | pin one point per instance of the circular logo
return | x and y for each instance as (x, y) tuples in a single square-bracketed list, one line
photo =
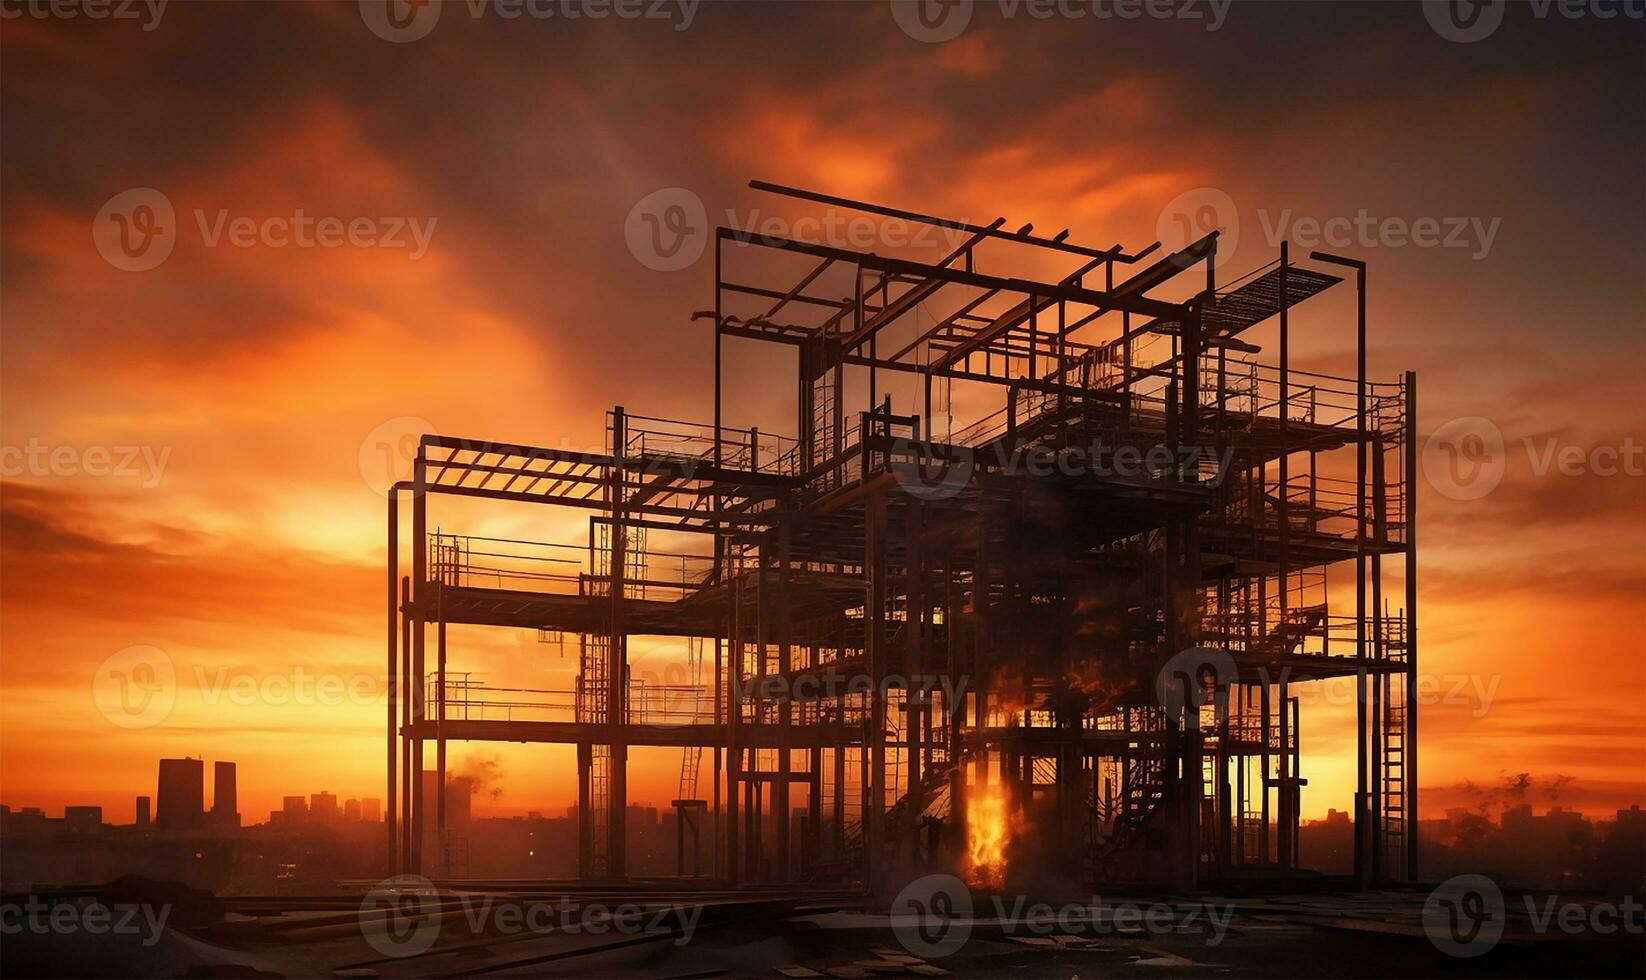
[(932, 21), (400, 21), (667, 229), (1464, 915), (1191, 216), (1464, 459), (926, 474), (932, 915), (389, 451), (135, 687), (135, 230), (1464, 21), (398, 917), (1188, 680)]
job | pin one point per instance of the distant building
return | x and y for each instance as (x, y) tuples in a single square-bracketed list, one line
[(294, 810), (351, 811), (143, 812), (225, 807), (182, 796), (371, 810), (323, 807), (83, 821)]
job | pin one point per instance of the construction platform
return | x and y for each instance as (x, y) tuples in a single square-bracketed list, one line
[(1085, 568)]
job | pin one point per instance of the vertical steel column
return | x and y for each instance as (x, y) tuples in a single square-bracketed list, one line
[(874, 564), (440, 790), (617, 700), (392, 698), (785, 713), (408, 695), (734, 720), (420, 498), (1409, 745), (1287, 815)]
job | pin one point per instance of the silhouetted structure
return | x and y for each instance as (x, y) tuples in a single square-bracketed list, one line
[(181, 796), (225, 806), (143, 814), (889, 616)]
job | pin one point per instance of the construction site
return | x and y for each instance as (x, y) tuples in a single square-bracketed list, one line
[(1020, 581)]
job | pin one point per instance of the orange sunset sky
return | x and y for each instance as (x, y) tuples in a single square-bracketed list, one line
[(248, 542)]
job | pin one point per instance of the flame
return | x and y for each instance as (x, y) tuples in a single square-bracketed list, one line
[(988, 831)]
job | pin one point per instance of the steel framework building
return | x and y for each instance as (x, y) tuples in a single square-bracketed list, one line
[(1099, 599)]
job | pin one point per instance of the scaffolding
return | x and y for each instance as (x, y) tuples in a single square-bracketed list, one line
[(1102, 592)]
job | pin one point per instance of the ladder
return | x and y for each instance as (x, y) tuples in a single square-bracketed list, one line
[(691, 757), (591, 707), (1394, 749)]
